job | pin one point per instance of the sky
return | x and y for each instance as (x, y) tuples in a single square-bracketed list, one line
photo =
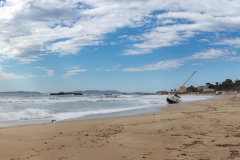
[(124, 45)]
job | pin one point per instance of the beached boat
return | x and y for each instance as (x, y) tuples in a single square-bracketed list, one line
[(171, 98), (175, 98)]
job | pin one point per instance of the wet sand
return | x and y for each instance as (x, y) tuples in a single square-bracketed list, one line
[(201, 130)]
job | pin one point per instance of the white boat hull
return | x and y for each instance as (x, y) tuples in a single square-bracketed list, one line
[(173, 99)]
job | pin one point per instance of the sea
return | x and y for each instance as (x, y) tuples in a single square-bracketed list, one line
[(24, 109)]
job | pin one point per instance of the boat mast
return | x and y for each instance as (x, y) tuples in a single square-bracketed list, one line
[(189, 78)]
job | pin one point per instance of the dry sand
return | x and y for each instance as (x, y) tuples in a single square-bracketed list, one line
[(198, 131)]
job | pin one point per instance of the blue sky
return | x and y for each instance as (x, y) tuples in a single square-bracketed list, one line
[(69, 45)]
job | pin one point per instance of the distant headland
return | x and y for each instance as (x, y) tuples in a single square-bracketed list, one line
[(20, 92), (100, 92), (88, 92), (66, 93)]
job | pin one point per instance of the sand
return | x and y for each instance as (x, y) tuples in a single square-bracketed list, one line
[(198, 131)]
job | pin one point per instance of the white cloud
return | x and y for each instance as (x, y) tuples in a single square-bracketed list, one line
[(114, 68), (162, 65), (73, 71), (197, 64), (49, 72), (11, 76), (29, 28), (210, 54), (204, 40), (63, 26), (235, 42), (157, 38), (186, 20), (236, 58)]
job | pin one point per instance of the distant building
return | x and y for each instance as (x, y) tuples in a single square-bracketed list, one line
[(220, 92), (205, 89), (162, 92), (182, 89), (226, 93)]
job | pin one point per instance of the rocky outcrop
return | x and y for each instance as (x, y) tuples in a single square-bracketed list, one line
[(66, 93)]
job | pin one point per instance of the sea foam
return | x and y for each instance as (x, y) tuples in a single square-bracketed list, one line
[(19, 108)]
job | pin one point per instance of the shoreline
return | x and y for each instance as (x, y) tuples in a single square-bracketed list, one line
[(140, 111), (191, 131)]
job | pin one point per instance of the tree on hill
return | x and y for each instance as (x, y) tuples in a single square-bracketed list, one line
[(207, 84), (227, 85), (191, 89)]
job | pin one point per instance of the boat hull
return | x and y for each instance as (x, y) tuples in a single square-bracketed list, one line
[(173, 99)]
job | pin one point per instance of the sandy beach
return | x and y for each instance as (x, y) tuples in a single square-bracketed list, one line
[(201, 130)]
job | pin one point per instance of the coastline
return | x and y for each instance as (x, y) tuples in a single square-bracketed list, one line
[(47, 115), (193, 130)]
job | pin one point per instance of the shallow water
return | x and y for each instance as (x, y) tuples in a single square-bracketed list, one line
[(30, 109)]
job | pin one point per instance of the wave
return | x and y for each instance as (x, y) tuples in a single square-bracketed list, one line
[(31, 114), (63, 108), (72, 115), (27, 114)]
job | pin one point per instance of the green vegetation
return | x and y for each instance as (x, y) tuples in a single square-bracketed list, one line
[(227, 85), (192, 89)]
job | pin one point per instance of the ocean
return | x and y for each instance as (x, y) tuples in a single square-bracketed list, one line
[(23, 109)]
